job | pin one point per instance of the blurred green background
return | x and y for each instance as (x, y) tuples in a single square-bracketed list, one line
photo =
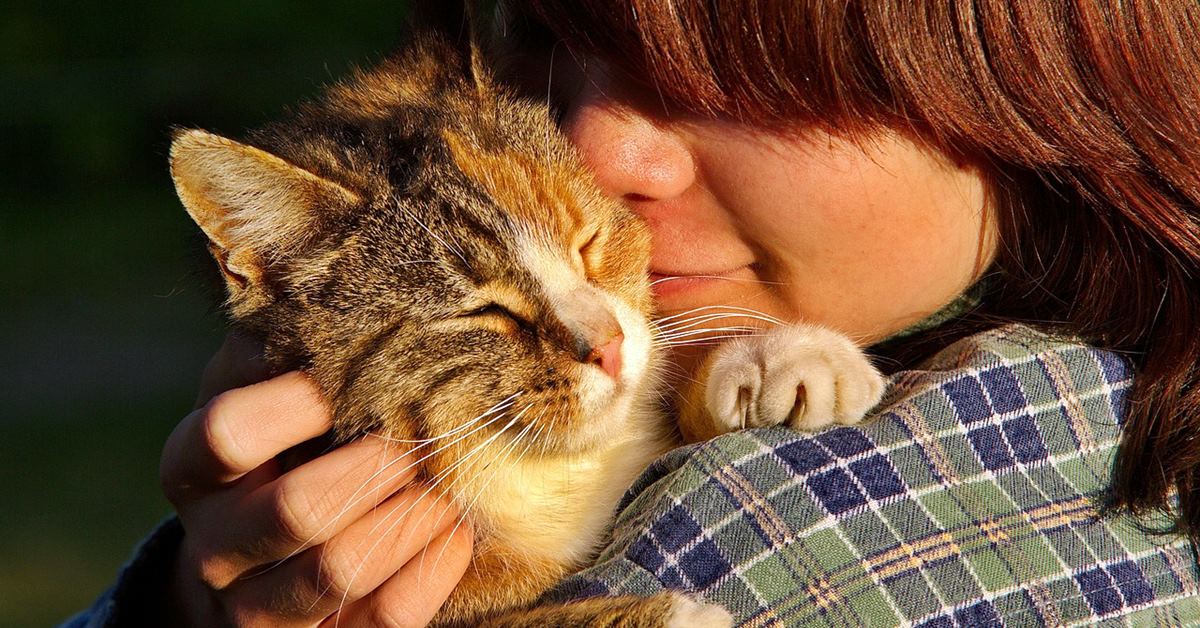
[(105, 324)]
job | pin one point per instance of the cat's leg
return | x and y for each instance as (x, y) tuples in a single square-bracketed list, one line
[(804, 376), (664, 610)]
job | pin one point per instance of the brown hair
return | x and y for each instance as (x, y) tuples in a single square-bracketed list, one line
[(1085, 115)]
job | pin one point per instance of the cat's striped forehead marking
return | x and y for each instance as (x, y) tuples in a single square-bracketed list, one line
[(547, 202), (533, 192)]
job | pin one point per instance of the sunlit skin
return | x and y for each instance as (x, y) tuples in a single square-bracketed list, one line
[(865, 236)]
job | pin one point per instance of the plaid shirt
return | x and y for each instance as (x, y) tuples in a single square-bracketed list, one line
[(970, 499)]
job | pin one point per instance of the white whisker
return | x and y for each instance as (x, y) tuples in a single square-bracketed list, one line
[(504, 404), (433, 481), (696, 320), (705, 318), (688, 330), (729, 308), (435, 236), (706, 330), (699, 342), (502, 454), (722, 277), (433, 484), (356, 497), (549, 103)]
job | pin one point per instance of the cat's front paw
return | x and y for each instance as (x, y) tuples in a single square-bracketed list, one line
[(800, 375), (689, 613)]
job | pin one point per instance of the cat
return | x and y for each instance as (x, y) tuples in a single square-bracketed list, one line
[(427, 247)]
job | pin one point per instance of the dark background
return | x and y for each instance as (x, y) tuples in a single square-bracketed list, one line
[(105, 325)]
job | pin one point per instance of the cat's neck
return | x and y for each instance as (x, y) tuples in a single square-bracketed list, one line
[(556, 507)]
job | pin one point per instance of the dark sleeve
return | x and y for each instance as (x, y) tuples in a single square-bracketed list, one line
[(138, 598)]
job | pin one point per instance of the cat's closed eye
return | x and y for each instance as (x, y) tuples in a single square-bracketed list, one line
[(496, 311), (588, 254)]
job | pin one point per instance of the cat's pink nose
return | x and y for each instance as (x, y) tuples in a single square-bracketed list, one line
[(608, 356)]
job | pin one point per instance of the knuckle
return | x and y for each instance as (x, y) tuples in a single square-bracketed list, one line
[(218, 439), (339, 575), (393, 615), (293, 512), (215, 571), (448, 512), (249, 616)]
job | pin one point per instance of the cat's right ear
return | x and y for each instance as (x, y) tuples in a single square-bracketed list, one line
[(254, 207)]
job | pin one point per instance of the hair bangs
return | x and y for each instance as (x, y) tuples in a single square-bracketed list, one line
[(763, 62)]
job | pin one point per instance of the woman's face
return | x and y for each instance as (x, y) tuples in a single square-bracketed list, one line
[(866, 237)]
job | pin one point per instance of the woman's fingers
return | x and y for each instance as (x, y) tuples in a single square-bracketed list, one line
[(269, 546), (412, 596), (308, 505), (237, 431), (323, 579)]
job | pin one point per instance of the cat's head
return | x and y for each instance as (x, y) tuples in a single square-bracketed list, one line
[(433, 253)]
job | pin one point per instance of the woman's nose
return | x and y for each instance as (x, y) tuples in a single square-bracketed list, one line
[(631, 156)]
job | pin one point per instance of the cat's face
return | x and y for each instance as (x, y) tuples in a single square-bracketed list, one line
[(436, 258)]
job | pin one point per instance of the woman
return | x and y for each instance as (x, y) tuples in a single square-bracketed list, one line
[(911, 174)]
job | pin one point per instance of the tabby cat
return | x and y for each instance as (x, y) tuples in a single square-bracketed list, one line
[(427, 247)]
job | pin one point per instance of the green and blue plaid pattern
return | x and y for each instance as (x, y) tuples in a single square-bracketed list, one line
[(971, 499)]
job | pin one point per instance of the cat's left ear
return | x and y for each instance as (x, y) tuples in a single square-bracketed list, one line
[(254, 207), (461, 23)]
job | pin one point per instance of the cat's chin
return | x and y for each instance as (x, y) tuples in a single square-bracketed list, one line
[(595, 431)]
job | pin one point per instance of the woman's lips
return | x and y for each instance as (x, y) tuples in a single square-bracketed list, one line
[(669, 284)]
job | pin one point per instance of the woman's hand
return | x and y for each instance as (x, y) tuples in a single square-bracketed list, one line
[(347, 532)]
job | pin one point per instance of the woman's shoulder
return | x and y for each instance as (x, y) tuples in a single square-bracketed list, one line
[(1014, 364), (1011, 368), (971, 496), (1009, 396), (1017, 343)]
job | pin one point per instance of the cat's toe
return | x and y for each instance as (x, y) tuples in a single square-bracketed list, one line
[(689, 613), (804, 392), (733, 389), (860, 388)]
